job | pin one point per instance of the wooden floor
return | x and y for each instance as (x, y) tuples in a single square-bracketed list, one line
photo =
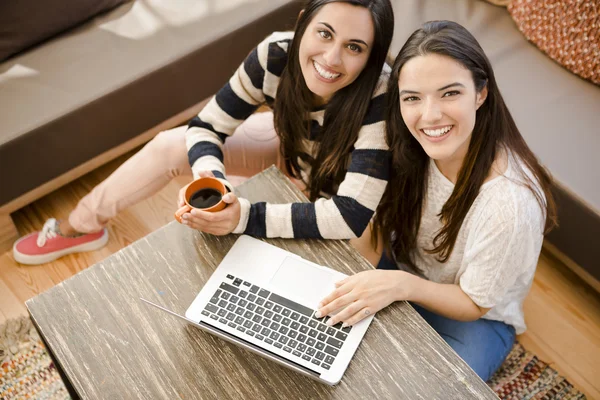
[(562, 312)]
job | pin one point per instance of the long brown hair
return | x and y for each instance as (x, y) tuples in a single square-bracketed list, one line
[(345, 111), (399, 214)]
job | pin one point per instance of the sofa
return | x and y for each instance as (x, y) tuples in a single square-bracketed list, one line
[(103, 88)]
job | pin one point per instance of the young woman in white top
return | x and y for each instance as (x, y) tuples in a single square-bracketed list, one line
[(466, 208)]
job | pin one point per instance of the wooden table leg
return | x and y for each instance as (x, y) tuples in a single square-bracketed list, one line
[(63, 376)]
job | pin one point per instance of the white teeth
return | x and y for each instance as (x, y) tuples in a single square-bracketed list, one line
[(323, 73), (437, 132)]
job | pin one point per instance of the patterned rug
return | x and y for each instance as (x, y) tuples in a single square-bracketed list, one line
[(27, 371), (524, 376)]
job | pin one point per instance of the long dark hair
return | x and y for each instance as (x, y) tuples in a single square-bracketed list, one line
[(399, 215), (345, 111)]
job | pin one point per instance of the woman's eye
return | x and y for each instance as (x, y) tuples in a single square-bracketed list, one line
[(325, 34), (410, 99), (451, 93), (354, 48)]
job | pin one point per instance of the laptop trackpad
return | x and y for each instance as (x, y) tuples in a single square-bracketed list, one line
[(302, 282)]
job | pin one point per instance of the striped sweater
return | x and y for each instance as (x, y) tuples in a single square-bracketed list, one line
[(344, 215)]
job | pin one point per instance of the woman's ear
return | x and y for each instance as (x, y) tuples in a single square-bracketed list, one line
[(481, 96)]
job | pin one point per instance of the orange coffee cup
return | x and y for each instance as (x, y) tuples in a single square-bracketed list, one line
[(202, 194)]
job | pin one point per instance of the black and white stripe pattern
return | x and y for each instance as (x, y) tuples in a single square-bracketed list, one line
[(343, 216)]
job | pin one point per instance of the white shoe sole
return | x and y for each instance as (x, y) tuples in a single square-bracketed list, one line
[(49, 257)]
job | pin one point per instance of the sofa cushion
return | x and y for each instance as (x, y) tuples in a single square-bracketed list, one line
[(24, 23), (118, 76), (573, 43)]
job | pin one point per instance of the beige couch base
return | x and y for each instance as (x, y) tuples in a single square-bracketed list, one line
[(573, 266)]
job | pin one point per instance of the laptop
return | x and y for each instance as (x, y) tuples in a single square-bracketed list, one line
[(263, 298)]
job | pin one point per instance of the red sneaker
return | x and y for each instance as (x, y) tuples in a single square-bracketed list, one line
[(48, 245)]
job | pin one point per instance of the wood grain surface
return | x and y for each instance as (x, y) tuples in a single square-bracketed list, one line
[(113, 346)]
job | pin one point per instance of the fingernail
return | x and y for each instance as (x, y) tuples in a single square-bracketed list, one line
[(318, 314), (329, 322), (344, 325)]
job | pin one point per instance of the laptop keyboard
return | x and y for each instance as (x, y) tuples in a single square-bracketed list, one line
[(277, 321)]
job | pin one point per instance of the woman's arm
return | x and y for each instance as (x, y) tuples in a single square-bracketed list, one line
[(250, 86), (367, 292), (447, 300), (345, 215)]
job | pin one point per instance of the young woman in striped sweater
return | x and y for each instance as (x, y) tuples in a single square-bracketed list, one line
[(325, 83)]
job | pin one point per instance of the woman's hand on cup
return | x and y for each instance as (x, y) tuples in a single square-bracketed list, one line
[(216, 223), (363, 294)]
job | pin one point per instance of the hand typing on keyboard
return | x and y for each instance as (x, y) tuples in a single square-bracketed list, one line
[(363, 294), (276, 321)]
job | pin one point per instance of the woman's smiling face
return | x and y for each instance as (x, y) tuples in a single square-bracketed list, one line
[(335, 48), (438, 103)]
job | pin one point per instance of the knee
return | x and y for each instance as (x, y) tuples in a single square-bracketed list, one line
[(476, 357), (256, 136), (253, 147), (166, 141), (259, 127), (169, 146), (480, 347)]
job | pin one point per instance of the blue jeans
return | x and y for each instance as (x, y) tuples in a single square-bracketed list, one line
[(483, 344)]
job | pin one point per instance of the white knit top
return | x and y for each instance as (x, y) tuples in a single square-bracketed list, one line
[(498, 245)]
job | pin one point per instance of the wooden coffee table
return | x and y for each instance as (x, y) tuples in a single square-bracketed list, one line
[(107, 344)]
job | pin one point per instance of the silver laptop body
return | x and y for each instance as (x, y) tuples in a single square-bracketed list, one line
[(263, 298)]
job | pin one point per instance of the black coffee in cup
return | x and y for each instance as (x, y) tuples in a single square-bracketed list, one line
[(205, 198)]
